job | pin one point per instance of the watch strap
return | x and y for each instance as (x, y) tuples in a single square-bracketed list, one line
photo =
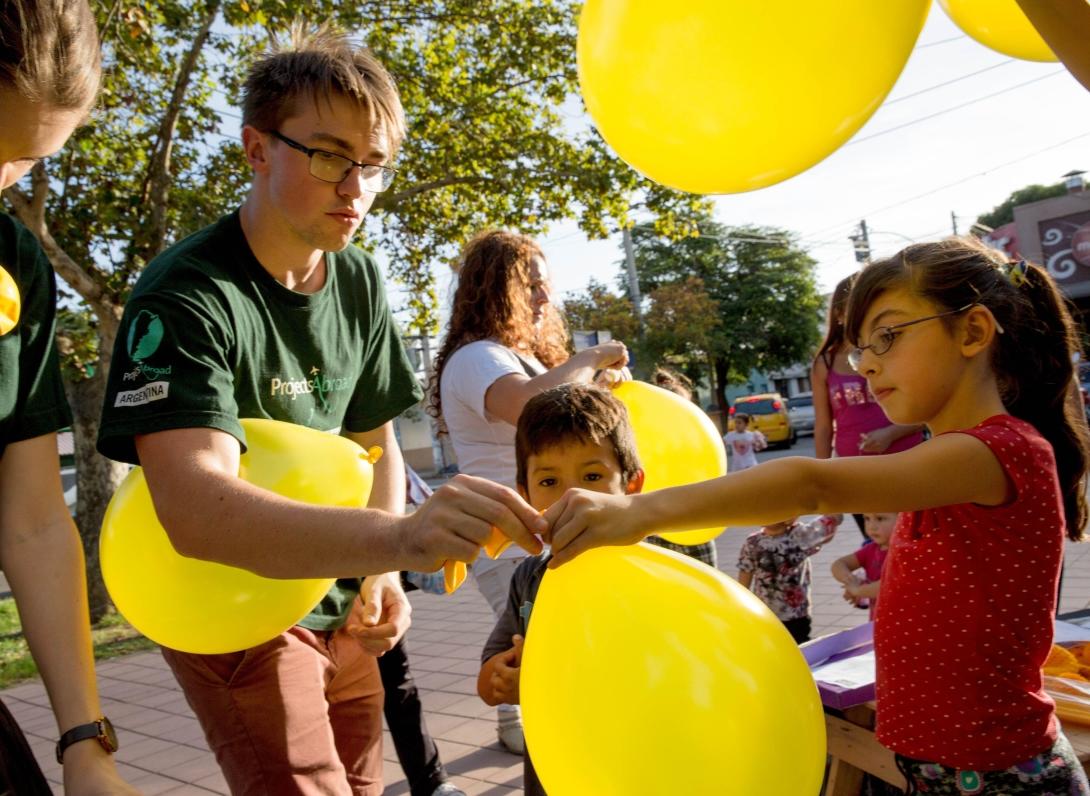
[(82, 732)]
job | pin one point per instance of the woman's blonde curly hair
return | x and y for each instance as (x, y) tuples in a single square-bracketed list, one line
[(492, 302)]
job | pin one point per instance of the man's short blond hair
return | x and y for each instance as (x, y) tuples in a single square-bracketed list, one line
[(316, 65)]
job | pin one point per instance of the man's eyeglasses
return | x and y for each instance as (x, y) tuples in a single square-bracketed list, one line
[(882, 338), (331, 167)]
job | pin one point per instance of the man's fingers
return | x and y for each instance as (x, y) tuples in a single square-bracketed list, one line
[(377, 632), (575, 542)]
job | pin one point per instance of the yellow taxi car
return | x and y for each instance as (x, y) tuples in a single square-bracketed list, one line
[(768, 414)]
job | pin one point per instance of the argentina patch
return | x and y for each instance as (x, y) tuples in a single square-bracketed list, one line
[(152, 391)]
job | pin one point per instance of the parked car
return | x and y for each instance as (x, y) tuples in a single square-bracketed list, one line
[(800, 409), (768, 413)]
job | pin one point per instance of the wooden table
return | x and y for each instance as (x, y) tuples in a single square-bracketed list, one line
[(853, 750)]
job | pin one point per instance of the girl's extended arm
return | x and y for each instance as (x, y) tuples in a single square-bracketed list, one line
[(844, 566), (947, 470), (859, 590), (823, 411)]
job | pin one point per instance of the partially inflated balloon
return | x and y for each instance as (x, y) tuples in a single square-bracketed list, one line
[(647, 672), (200, 606), (724, 96), (1001, 26), (10, 304), (677, 444)]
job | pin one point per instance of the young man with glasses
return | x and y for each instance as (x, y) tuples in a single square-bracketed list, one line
[(270, 312)]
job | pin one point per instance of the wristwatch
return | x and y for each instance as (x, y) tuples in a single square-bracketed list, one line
[(101, 729)]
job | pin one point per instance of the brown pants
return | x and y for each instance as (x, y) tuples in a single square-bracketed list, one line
[(301, 714)]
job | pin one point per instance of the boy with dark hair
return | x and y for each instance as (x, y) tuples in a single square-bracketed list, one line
[(574, 435)]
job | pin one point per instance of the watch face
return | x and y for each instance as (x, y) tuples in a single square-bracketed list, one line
[(108, 736)]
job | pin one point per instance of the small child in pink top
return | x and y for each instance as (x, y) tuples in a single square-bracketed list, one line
[(869, 558)]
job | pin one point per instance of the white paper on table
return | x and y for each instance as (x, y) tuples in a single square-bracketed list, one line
[(848, 673)]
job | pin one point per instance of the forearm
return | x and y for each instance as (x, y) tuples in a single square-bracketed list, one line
[(842, 572), (245, 526), (45, 570), (869, 589), (823, 441)]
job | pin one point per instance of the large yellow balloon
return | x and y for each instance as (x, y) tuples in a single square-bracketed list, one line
[(646, 672), (200, 606), (1001, 26), (9, 302), (677, 443), (724, 96)]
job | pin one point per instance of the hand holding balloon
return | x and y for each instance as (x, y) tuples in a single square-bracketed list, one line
[(582, 520)]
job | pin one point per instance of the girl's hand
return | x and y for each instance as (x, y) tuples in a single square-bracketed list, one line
[(877, 441), (89, 771), (581, 520)]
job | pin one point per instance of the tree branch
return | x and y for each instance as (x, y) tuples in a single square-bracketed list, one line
[(89, 283), (386, 201), (158, 175)]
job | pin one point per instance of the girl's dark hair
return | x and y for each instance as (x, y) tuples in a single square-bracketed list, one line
[(573, 413), (1034, 358), (492, 302), (834, 336), (677, 383)]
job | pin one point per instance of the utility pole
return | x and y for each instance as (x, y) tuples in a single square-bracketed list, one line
[(861, 243), (633, 277), (954, 221)]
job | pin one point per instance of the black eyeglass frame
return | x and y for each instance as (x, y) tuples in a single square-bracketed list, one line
[(855, 355), (387, 173)]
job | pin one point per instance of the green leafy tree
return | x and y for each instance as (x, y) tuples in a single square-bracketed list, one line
[(678, 323), (1004, 213), (485, 83), (598, 309), (762, 284)]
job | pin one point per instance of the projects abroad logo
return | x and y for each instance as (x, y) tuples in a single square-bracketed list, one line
[(145, 335), (318, 384)]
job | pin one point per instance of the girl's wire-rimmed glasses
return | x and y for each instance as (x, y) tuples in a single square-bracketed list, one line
[(882, 338)]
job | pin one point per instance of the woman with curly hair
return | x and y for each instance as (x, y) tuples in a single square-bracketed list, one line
[(505, 343)]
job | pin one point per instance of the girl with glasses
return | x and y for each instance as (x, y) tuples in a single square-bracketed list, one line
[(981, 350)]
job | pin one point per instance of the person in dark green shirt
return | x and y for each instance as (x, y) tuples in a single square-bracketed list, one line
[(49, 74), (271, 312)]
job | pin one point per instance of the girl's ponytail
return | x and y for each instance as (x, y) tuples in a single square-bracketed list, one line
[(1034, 358), (1038, 367)]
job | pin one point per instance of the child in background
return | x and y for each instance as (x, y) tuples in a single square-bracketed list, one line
[(982, 350), (775, 563), (574, 435), (863, 592), (743, 445)]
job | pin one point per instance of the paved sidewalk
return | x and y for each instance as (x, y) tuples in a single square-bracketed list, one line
[(163, 749)]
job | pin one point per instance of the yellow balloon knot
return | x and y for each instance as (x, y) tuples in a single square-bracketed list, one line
[(372, 454), (9, 302)]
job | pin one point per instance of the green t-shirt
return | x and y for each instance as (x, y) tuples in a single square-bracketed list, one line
[(209, 337), (32, 399)]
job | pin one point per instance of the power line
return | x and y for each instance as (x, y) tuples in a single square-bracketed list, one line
[(954, 108), (937, 43), (832, 227), (948, 82)]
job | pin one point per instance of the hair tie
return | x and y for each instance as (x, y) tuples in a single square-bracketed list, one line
[(1016, 272)]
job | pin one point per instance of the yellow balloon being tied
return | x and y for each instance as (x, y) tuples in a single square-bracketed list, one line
[(724, 96), (1001, 26), (677, 444), (645, 672), (201, 606), (10, 304)]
